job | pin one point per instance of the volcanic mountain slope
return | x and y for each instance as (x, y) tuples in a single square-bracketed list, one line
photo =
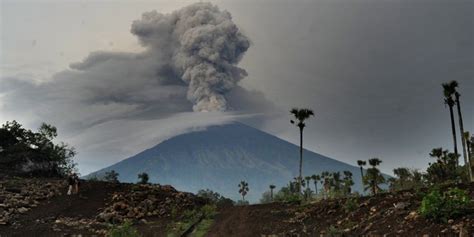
[(219, 157)]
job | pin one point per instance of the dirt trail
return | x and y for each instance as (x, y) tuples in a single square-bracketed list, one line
[(93, 196), (253, 220)]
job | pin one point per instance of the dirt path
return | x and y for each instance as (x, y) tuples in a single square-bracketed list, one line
[(253, 220), (92, 197)]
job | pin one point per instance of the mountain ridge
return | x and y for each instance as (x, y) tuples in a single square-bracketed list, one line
[(220, 156)]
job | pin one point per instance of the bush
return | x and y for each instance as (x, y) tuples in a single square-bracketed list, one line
[(208, 211), (443, 206), (111, 176), (351, 204), (215, 198), (143, 178), (124, 230)]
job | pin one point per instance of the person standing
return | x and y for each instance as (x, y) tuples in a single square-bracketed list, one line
[(70, 181), (76, 183)]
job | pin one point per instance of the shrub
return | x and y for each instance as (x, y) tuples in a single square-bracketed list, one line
[(208, 211), (143, 178), (351, 204), (215, 198), (111, 176), (124, 230), (443, 206)]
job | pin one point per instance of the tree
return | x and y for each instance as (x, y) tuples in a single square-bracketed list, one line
[(347, 182), (266, 197), (326, 182), (301, 115), (243, 189), (448, 90), (111, 176), (469, 147), (454, 85), (316, 179), (271, 191), (406, 179), (215, 198), (143, 178), (25, 151), (373, 178), (444, 169), (403, 175), (336, 182), (361, 163)]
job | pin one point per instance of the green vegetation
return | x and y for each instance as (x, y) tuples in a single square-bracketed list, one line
[(143, 178), (111, 176), (373, 178), (215, 198), (197, 221), (301, 115), (361, 164), (124, 230), (25, 151), (351, 204), (442, 206), (406, 179), (445, 167)]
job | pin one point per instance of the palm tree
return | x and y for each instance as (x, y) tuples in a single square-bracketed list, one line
[(454, 84), (373, 177), (271, 191), (437, 152), (449, 89), (403, 175), (348, 182), (243, 189), (301, 115), (315, 178), (308, 189), (361, 163), (467, 137)]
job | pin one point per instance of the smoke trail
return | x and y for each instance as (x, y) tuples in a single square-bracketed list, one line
[(204, 47)]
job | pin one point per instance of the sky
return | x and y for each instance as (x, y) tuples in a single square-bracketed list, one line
[(113, 81)]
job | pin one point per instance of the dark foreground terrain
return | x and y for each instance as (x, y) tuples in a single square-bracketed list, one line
[(39, 207)]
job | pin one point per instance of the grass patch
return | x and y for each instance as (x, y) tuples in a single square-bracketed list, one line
[(190, 217)]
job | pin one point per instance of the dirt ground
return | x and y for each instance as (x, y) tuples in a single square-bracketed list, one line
[(389, 214)]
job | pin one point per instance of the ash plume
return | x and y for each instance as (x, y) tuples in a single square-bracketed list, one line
[(204, 47)]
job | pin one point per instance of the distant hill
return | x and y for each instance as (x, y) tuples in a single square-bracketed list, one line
[(221, 156)]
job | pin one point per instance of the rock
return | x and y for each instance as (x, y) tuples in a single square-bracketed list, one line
[(413, 215), (22, 210), (450, 221), (401, 205)]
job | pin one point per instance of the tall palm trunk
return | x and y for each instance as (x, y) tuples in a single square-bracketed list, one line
[(453, 128), (463, 141), (301, 160), (271, 194), (362, 176), (316, 188)]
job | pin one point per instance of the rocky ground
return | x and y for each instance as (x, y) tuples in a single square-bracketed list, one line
[(39, 207), (389, 214)]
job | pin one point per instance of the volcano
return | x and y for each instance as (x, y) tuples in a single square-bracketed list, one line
[(220, 156)]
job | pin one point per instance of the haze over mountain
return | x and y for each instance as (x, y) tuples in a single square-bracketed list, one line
[(219, 157)]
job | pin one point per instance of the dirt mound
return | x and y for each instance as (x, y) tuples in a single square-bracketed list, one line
[(40, 207)]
